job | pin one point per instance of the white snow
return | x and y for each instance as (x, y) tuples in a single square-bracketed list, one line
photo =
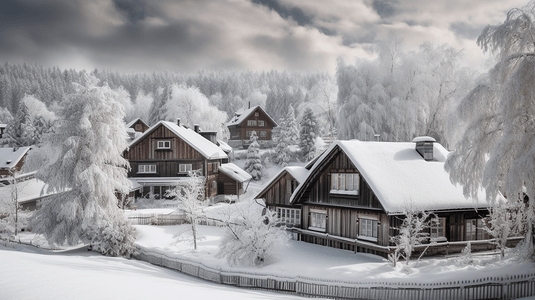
[(399, 176), (27, 190), (235, 172), (423, 139)]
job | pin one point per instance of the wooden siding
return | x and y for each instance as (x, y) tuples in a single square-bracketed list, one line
[(280, 191), (142, 124), (239, 131), (230, 185), (17, 167)]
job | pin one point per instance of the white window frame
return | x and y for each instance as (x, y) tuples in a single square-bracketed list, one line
[(289, 216), (146, 169), (345, 183), (318, 221), (184, 168), (215, 167), (251, 122), (438, 230), (368, 229), (261, 123), (263, 133), (163, 144), (249, 133)]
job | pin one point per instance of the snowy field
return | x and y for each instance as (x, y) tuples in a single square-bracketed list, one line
[(30, 273)]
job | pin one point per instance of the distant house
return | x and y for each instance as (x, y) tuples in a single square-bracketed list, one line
[(2, 128), (245, 122), (355, 193), (12, 159), (135, 128), (163, 155)]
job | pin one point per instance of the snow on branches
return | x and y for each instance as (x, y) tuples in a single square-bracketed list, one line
[(252, 237), (254, 165)]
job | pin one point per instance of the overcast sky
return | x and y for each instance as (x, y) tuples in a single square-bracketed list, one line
[(187, 35)]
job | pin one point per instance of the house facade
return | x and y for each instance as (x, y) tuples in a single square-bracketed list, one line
[(12, 160), (164, 155), (356, 193), (245, 122)]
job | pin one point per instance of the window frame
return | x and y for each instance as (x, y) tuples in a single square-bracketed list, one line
[(289, 216), (368, 229), (163, 146), (261, 123), (251, 123), (263, 133), (345, 183), (317, 221), (180, 171), (437, 232), (151, 169)]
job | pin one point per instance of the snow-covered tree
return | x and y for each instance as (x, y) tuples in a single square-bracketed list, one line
[(281, 137), (411, 233), (497, 131), (190, 193), (291, 129), (12, 218), (308, 134), (85, 170), (466, 256), (252, 238), (254, 165)]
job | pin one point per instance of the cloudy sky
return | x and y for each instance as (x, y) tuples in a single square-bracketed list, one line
[(186, 35)]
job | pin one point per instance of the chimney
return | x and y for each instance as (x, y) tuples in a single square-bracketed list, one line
[(196, 127), (249, 104), (424, 146), (178, 121)]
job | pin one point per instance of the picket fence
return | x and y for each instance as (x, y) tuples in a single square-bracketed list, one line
[(168, 219), (503, 287)]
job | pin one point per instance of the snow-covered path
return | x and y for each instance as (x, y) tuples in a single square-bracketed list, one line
[(79, 274)]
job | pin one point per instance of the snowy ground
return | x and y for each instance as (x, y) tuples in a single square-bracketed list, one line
[(30, 273)]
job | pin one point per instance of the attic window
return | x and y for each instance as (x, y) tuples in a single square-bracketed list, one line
[(256, 114), (261, 123), (424, 146), (164, 145)]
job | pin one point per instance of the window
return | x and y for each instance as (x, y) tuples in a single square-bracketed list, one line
[(263, 133), (368, 228), (345, 183), (251, 122), (261, 123), (248, 133), (437, 229), (146, 168), (475, 231), (289, 216), (138, 127), (164, 145), (184, 168), (256, 114), (318, 220)]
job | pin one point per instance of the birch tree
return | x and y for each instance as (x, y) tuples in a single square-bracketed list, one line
[(85, 170), (497, 134)]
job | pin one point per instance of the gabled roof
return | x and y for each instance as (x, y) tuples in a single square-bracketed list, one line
[(134, 121), (206, 148), (241, 115), (235, 172), (10, 157), (399, 176), (298, 173)]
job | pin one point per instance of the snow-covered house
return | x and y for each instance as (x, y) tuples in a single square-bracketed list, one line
[(138, 125), (12, 159), (245, 122), (163, 155), (357, 191)]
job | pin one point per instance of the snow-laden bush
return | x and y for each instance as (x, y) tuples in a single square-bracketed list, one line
[(252, 238), (466, 256), (254, 165)]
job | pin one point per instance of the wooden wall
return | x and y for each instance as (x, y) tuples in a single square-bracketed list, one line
[(280, 190), (229, 185)]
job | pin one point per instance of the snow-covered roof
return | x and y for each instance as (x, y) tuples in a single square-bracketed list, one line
[(235, 172), (9, 157), (399, 176), (198, 142), (299, 173), (134, 121), (28, 190), (155, 181), (241, 115), (3, 125), (224, 146), (423, 139)]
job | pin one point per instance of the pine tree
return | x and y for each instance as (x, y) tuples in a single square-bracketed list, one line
[(292, 128), (85, 171), (282, 150), (308, 134), (254, 165), (21, 131)]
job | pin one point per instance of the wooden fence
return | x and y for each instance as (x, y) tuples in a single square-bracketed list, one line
[(503, 287), (169, 219)]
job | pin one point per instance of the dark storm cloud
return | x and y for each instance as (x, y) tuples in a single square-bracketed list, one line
[(133, 9), (466, 30), (385, 8), (294, 12)]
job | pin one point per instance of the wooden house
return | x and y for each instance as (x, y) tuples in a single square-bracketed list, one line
[(164, 155), (356, 192), (138, 125), (12, 159), (278, 192), (245, 122)]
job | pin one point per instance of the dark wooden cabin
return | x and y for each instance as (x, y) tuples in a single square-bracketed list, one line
[(138, 125), (12, 160), (245, 122), (357, 191), (163, 155)]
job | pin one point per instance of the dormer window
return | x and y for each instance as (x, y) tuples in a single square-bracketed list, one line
[(424, 146), (164, 145), (345, 183), (256, 114)]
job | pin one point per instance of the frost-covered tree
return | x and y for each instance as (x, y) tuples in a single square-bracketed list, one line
[(141, 107), (190, 193), (252, 238), (254, 165), (411, 233), (466, 256), (12, 217), (291, 128), (85, 170), (308, 134), (497, 133), (281, 138)]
